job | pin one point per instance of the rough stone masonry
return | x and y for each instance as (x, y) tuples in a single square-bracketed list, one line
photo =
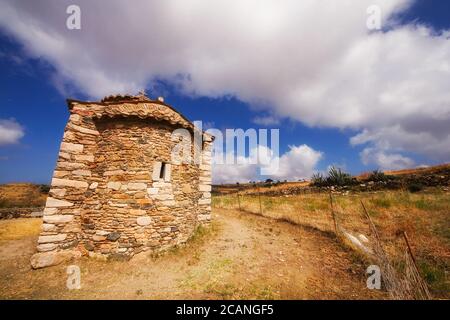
[(115, 191)]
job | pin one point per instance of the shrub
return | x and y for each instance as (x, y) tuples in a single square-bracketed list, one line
[(337, 177), (378, 176), (318, 180), (415, 187), (44, 188)]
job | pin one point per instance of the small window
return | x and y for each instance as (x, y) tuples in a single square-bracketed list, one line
[(161, 171)]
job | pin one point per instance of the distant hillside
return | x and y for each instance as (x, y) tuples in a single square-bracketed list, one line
[(427, 176), (422, 170), (22, 195)]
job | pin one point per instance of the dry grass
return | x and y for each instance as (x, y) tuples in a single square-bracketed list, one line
[(424, 216), (21, 195), (17, 229), (240, 257)]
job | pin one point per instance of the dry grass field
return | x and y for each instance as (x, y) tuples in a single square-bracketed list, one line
[(425, 216), (287, 251), (240, 256)]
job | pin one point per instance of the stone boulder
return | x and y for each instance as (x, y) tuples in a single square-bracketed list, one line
[(47, 259)]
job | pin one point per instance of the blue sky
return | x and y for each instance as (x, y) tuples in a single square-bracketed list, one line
[(35, 81)]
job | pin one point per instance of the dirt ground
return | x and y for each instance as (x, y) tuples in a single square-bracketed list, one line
[(242, 256)]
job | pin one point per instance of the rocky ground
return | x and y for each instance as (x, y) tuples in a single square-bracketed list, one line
[(241, 257)]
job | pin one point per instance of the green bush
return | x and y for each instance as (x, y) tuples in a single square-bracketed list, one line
[(318, 180), (379, 176), (415, 187), (44, 188), (335, 177)]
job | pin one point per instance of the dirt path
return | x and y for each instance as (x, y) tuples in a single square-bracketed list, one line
[(244, 257)]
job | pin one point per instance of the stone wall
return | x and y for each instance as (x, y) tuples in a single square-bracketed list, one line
[(115, 191)]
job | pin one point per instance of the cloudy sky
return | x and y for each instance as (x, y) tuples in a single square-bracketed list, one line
[(340, 94)]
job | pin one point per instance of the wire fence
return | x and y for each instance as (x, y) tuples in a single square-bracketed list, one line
[(353, 227)]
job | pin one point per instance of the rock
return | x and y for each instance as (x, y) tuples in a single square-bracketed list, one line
[(82, 172), (55, 203), (137, 212), (204, 201), (114, 185), (87, 158), (47, 227), (89, 246), (113, 236), (56, 182), (363, 238), (69, 165), (71, 147), (93, 185), (84, 130), (163, 197), (59, 218), (137, 186), (98, 238), (169, 203), (46, 247), (355, 241), (64, 155), (60, 174), (58, 192), (75, 117), (53, 238), (114, 173), (69, 245), (50, 211), (204, 188), (204, 217), (144, 221), (53, 258)]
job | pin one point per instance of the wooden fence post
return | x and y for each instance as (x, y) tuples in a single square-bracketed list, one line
[(333, 215), (260, 205), (422, 283), (372, 225), (239, 200)]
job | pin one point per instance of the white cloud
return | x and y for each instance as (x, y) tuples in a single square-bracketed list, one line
[(10, 131), (229, 173), (311, 61), (299, 162), (386, 161)]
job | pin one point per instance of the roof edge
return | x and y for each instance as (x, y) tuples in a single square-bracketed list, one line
[(70, 103)]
